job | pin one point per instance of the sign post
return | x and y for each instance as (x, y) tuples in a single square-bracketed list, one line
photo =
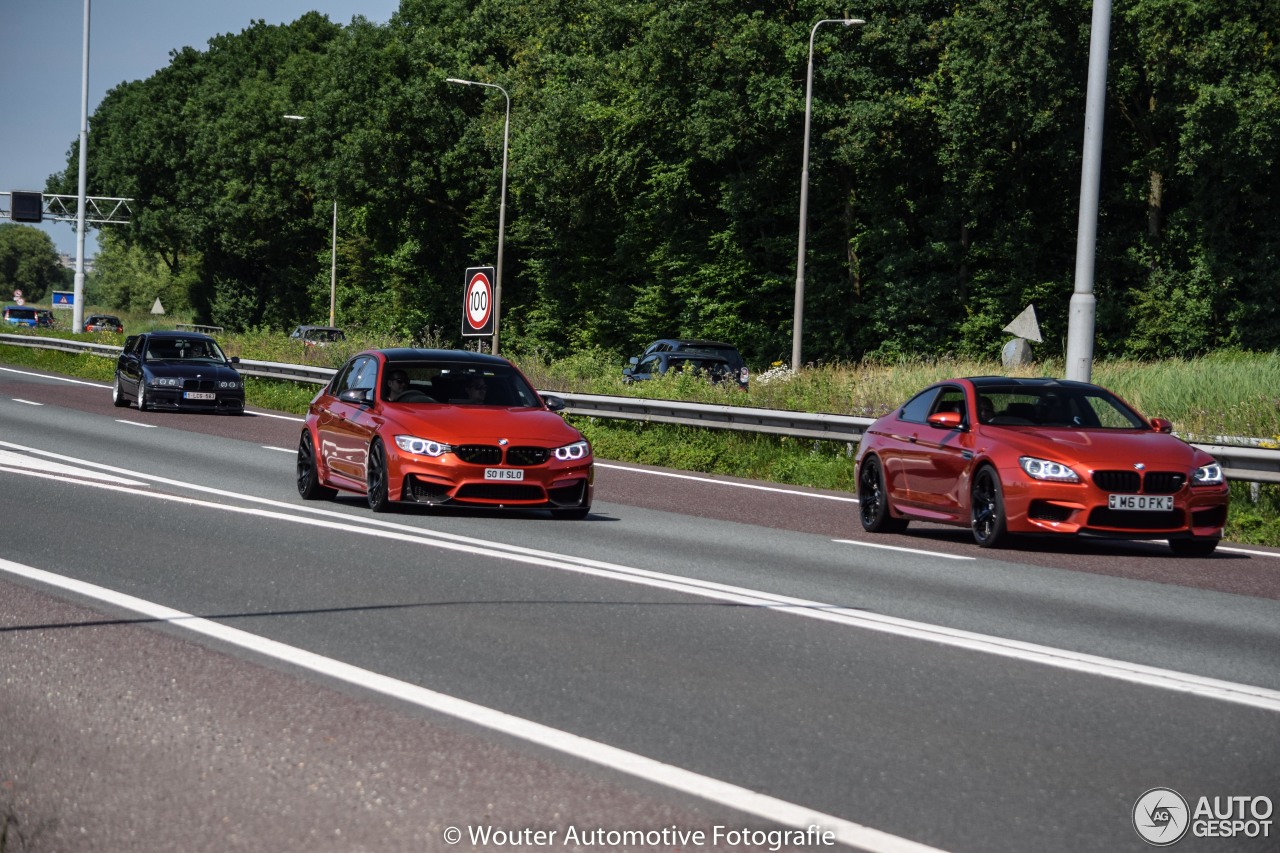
[(477, 303)]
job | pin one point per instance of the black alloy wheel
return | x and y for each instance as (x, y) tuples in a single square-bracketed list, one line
[(309, 486), (986, 507), (376, 478), (873, 500)]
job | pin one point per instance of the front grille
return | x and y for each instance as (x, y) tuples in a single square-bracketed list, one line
[(500, 492), (1215, 516), (197, 385), (571, 495), (479, 454), (1102, 517), (1126, 482), (427, 492), (1163, 482), (1133, 483), (525, 456)]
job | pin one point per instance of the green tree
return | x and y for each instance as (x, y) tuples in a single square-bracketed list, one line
[(28, 262)]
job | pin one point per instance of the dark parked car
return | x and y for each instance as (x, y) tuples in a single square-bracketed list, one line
[(20, 315), (713, 367), (442, 427), (317, 336), (697, 346), (44, 318), (177, 370), (103, 323), (1005, 456)]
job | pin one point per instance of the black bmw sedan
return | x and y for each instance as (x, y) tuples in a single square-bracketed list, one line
[(177, 370)]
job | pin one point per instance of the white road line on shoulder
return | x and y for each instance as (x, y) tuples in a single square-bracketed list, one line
[(1148, 676), (278, 417), (1251, 553), (650, 770), (696, 478), (281, 449), (57, 378), (920, 551), (26, 402), (136, 423)]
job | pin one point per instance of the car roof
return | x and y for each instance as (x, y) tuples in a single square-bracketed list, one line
[(980, 382), (698, 342), (414, 354), (176, 335)]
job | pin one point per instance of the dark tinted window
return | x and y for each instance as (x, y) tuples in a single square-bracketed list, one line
[(919, 406)]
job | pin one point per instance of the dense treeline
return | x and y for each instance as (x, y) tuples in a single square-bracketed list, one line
[(654, 173)]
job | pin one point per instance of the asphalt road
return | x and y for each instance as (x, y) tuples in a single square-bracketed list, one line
[(193, 658)]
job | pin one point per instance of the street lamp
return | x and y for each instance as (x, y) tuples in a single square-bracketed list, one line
[(797, 326), (502, 204), (333, 252)]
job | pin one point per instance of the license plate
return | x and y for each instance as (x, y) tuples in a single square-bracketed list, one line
[(1140, 502), (504, 473), (199, 395)]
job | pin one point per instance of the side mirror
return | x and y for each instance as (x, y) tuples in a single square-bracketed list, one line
[(358, 396), (634, 360), (553, 402), (235, 359), (1162, 425), (945, 420)]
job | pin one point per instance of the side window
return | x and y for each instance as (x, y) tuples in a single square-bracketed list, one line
[(133, 345), (363, 375), (951, 399), (918, 407)]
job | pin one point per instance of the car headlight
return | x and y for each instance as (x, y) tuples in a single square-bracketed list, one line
[(1208, 475), (167, 382), (570, 452), (228, 384), (1044, 469), (421, 446)]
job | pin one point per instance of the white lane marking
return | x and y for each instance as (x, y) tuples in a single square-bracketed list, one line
[(109, 387), (1243, 694), (19, 463), (26, 402), (696, 478), (907, 550), (281, 449), (1250, 552), (58, 378), (137, 423), (656, 772)]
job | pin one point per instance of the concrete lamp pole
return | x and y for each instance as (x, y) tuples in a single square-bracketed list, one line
[(333, 253), (502, 204), (77, 307), (797, 326)]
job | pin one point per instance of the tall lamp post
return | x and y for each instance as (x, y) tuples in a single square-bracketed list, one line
[(77, 293), (797, 326), (333, 252), (502, 204)]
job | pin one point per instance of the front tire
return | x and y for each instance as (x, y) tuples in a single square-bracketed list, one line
[(1193, 547), (117, 395), (376, 478), (309, 486), (142, 396), (873, 500), (986, 509)]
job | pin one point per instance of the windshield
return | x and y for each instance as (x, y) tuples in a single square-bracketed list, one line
[(1055, 406), (184, 349), (455, 383)]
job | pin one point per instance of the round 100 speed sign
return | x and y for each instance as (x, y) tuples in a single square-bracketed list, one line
[(477, 307)]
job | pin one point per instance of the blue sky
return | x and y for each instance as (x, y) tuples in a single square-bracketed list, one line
[(43, 43)]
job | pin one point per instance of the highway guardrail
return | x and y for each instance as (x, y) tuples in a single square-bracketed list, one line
[(1241, 458)]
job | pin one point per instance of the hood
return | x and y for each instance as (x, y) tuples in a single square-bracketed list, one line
[(193, 370), (1103, 449), (482, 425)]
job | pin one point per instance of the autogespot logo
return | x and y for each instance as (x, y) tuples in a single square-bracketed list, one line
[(1161, 817)]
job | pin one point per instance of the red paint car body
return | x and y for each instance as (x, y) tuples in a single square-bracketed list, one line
[(1040, 456), (467, 430)]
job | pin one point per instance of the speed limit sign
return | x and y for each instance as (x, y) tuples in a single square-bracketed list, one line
[(477, 302)]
